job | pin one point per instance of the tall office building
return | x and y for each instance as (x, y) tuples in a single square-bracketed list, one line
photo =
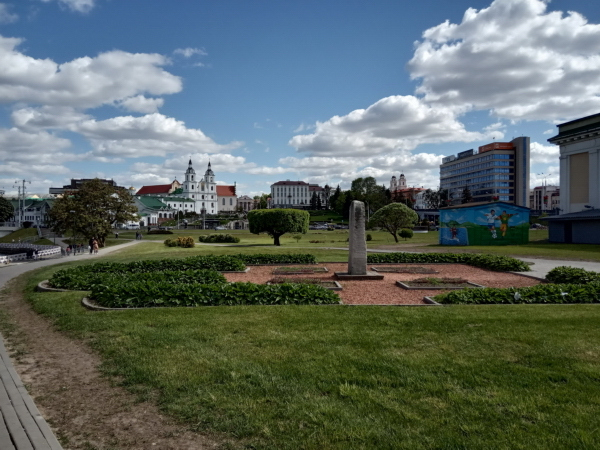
[(497, 171)]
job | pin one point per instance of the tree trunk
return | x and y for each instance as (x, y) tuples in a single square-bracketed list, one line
[(395, 237)]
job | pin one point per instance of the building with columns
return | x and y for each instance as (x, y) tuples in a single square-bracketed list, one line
[(579, 142), (579, 221)]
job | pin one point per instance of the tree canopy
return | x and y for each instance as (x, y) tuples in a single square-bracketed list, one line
[(277, 222), (393, 218), (6, 209), (92, 211)]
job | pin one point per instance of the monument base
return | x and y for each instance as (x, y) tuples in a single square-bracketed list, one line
[(367, 276)]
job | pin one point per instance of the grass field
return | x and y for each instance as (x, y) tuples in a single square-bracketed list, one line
[(337, 377)]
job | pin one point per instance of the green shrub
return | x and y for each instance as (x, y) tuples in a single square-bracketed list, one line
[(219, 239), (572, 275), (289, 258), (542, 293), (369, 237), (86, 281), (171, 242), (149, 294), (496, 263), (185, 242), (406, 233), (74, 277)]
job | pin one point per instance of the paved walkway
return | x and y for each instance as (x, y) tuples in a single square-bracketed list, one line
[(22, 427)]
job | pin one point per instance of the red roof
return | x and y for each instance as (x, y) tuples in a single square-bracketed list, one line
[(226, 191), (156, 189)]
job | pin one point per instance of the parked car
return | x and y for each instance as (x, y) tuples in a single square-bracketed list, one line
[(220, 227)]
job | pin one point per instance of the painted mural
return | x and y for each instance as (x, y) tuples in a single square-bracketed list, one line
[(496, 223)]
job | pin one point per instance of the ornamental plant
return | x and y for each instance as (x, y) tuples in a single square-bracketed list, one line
[(152, 294), (497, 263), (277, 222), (573, 275)]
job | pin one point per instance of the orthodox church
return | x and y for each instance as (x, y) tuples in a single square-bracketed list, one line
[(194, 194)]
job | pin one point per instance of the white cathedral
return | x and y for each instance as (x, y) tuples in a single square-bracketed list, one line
[(202, 190), (194, 194)]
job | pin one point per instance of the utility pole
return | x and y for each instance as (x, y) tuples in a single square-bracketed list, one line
[(21, 191)]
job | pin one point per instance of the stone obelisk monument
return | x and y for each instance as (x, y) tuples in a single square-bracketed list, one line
[(357, 256)]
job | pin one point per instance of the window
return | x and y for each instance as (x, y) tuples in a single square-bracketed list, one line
[(223, 202), (230, 202)]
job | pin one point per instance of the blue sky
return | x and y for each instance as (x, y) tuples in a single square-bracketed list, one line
[(322, 91)]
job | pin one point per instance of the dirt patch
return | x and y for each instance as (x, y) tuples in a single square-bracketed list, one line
[(83, 408)]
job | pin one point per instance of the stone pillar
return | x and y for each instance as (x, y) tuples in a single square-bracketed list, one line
[(357, 257)]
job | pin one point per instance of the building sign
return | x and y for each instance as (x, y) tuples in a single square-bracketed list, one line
[(496, 146), (465, 154)]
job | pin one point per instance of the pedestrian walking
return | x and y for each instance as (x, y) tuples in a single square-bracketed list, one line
[(95, 246), (91, 245)]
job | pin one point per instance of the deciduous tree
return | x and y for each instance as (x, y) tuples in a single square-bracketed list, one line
[(92, 211), (6, 209), (277, 222), (393, 218)]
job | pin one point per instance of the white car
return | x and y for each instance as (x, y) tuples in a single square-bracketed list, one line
[(220, 227)]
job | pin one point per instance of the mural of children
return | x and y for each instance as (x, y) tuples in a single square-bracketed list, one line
[(491, 222), (454, 233), (504, 222)]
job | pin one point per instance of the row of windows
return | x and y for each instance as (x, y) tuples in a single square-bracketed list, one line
[(230, 202), (471, 176), (447, 172), (481, 159)]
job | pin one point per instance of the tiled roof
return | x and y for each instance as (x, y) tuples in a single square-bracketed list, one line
[(226, 191), (156, 189), (152, 202)]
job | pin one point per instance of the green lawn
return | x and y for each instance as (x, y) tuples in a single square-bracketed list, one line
[(338, 377), (357, 377)]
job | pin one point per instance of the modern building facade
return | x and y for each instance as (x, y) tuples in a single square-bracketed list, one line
[(545, 199), (76, 185), (579, 142), (496, 172)]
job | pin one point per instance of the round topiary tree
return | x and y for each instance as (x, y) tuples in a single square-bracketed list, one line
[(393, 218), (276, 222)]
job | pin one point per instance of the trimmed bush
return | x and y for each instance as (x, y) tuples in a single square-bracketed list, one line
[(405, 233), (171, 242), (290, 258), (542, 293), (151, 294), (159, 232), (369, 237), (219, 239), (572, 275), (185, 242), (67, 278), (490, 262), (86, 281)]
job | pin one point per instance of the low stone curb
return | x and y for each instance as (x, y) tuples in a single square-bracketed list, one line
[(406, 286), (431, 301), (43, 286), (89, 305)]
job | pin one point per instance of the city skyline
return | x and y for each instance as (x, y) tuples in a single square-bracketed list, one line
[(323, 92)]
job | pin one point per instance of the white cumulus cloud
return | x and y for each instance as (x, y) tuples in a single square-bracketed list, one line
[(391, 124), (85, 82), (514, 59)]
